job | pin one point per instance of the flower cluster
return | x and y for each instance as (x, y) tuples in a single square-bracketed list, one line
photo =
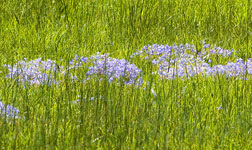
[(182, 61), (34, 72), (8, 111), (114, 69), (186, 61)]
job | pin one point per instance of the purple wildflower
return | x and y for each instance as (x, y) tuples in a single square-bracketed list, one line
[(8, 110), (34, 72)]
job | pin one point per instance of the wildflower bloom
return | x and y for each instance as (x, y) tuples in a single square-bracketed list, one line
[(111, 67), (186, 61), (8, 110), (34, 72), (169, 61), (219, 108)]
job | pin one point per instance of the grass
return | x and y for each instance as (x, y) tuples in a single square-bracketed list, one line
[(182, 115)]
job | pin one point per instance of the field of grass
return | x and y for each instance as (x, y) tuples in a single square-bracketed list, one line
[(74, 105)]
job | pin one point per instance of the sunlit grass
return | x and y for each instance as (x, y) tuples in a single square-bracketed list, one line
[(192, 113)]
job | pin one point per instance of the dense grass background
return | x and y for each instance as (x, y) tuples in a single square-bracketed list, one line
[(57, 28), (183, 115)]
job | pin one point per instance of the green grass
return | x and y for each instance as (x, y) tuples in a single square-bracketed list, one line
[(184, 113)]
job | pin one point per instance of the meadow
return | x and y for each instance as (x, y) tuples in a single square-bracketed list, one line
[(126, 74)]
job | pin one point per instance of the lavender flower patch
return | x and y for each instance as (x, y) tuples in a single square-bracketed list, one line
[(114, 69), (186, 61), (183, 61), (8, 110), (34, 72)]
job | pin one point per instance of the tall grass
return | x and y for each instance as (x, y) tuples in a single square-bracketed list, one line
[(166, 114)]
